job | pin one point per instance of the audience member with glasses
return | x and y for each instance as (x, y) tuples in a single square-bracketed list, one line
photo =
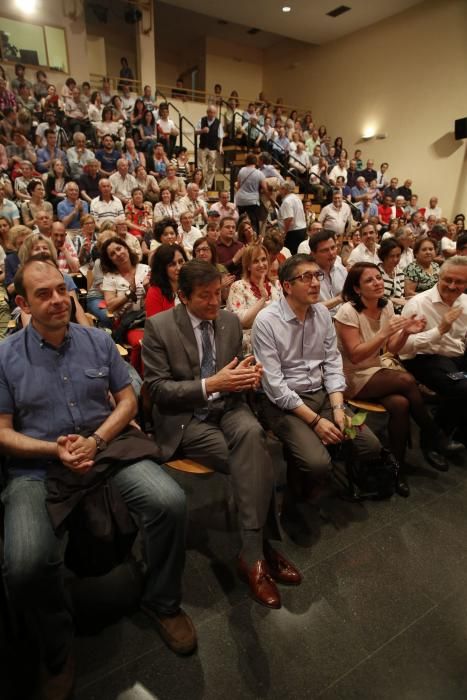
[(303, 384)]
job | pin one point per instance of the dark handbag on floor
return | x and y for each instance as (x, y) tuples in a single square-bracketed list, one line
[(129, 321), (367, 480), (376, 479)]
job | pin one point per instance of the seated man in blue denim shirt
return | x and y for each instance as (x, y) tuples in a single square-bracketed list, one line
[(55, 379), (303, 381)]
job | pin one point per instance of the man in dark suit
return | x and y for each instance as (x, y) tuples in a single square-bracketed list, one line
[(197, 380)]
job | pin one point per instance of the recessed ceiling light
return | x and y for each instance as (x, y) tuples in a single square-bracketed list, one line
[(286, 8)]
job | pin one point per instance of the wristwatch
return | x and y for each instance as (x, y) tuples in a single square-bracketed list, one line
[(100, 442)]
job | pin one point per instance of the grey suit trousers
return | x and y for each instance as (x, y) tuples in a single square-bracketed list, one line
[(236, 445)]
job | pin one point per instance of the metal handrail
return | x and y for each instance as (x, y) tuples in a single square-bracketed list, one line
[(195, 136), (96, 81), (202, 96)]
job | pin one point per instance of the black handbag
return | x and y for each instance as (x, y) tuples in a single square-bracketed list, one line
[(129, 321)]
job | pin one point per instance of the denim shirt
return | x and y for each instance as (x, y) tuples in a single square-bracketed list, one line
[(56, 391)]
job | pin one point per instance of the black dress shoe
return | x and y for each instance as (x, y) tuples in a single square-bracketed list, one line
[(436, 460), (402, 487)]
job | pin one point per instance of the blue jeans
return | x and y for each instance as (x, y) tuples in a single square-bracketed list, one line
[(33, 560), (92, 306)]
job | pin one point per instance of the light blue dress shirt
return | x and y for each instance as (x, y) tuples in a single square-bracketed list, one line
[(298, 357)]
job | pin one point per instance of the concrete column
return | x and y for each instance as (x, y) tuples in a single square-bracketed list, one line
[(146, 49)]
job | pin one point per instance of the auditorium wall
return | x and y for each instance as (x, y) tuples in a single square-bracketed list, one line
[(75, 35), (406, 77), (235, 67)]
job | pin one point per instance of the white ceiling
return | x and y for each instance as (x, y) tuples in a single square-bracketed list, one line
[(307, 20), (193, 25)]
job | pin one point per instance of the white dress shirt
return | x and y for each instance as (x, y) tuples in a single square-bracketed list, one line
[(362, 254), (430, 342)]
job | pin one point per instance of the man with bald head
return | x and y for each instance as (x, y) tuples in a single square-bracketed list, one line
[(55, 417), (210, 133), (105, 206), (67, 257)]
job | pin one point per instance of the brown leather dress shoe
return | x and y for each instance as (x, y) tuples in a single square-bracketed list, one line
[(281, 569), (58, 686), (177, 630), (262, 587)]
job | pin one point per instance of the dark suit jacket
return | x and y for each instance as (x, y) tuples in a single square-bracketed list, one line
[(172, 370)]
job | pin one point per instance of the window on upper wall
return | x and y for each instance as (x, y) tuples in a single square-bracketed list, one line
[(33, 44)]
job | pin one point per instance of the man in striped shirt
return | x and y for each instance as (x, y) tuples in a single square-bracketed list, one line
[(105, 206)]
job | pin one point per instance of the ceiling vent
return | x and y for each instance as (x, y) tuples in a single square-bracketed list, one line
[(338, 11)]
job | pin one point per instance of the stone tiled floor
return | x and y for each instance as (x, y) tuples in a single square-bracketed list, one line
[(382, 611)]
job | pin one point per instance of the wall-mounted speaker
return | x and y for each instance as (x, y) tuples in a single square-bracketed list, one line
[(460, 128)]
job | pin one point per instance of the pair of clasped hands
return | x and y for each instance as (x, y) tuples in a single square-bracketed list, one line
[(76, 452)]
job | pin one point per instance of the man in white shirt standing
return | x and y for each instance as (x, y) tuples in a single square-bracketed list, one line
[(211, 133), (437, 356), (292, 216), (367, 250)]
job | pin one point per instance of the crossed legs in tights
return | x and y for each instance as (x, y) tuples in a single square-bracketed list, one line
[(400, 396)]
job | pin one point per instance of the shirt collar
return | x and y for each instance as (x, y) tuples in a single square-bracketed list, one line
[(195, 321), (435, 296), (33, 333), (289, 314)]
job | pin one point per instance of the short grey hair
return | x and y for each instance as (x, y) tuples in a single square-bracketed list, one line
[(288, 185), (77, 135), (455, 260)]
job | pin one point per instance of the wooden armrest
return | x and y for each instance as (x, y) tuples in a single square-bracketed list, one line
[(189, 466), (367, 406)]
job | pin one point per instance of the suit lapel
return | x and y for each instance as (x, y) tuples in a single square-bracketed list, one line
[(187, 339)]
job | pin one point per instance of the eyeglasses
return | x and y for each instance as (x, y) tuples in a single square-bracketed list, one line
[(308, 277), (203, 249)]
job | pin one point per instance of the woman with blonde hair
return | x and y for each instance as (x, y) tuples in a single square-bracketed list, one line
[(253, 291), (16, 237), (37, 244)]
